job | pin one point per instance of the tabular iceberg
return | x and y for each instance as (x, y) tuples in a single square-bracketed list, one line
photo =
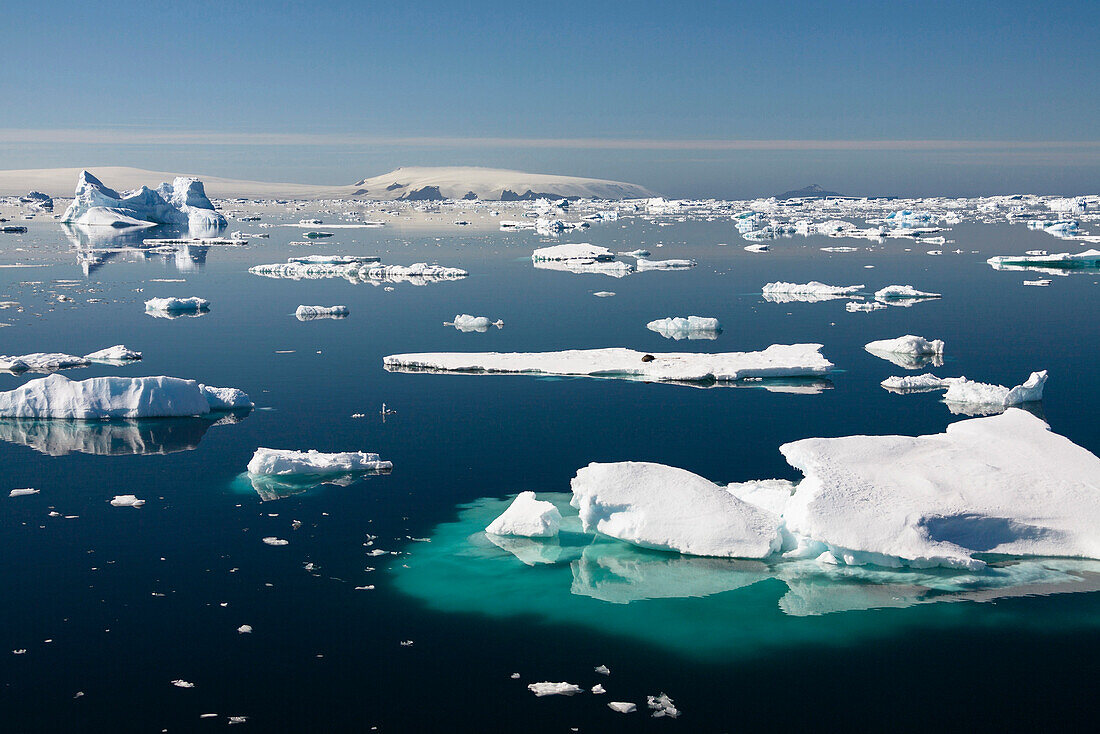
[(812, 292), (41, 362), (573, 251), (527, 517), (104, 398), (902, 293), (662, 507), (183, 202), (778, 360), (285, 461)]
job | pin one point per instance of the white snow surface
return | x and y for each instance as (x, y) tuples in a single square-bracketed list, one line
[(1003, 484), (103, 398), (41, 362), (778, 360), (191, 303), (286, 461), (127, 500), (666, 508), (527, 517), (183, 202), (980, 393), (812, 292), (908, 344), (895, 292), (117, 353), (466, 322), (573, 251)]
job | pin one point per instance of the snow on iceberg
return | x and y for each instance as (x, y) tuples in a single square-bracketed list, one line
[(999, 485), (665, 508), (285, 461), (692, 327), (573, 251), (778, 360), (183, 202), (527, 517), (812, 292), (308, 313), (980, 393), (41, 362), (909, 351), (919, 383), (191, 304), (105, 398)]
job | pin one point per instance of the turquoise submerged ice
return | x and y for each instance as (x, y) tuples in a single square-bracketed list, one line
[(705, 608)]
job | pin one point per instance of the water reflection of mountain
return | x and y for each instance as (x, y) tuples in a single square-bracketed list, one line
[(55, 437), (97, 246)]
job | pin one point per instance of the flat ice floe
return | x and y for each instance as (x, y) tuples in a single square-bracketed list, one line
[(1002, 485), (909, 351), (812, 292), (527, 517), (104, 398), (665, 508), (119, 353), (671, 264), (41, 362), (901, 295), (548, 688), (308, 313), (360, 272), (969, 396), (612, 268), (192, 304), (1045, 263), (778, 360), (285, 461), (576, 251), (692, 327)]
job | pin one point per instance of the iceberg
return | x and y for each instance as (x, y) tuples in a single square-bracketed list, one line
[(547, 688), (692, 327), (118, 354), (673, 264), (573, 251), (778, 360), (665, 508), (980, 393), (858, 306), (284, 461), (1058, 261), (1004, 485), (909, 351), (919, 383), (183, 202), (307, 313), (527, 517), (104, 398), (192, 304), (902, 293), (812, 292), (466, 322), (360, 272), (41, 362)]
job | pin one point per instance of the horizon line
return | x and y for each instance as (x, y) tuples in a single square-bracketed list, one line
[(119, 136)]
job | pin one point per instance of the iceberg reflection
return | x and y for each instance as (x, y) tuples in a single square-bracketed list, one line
[(276, 487)]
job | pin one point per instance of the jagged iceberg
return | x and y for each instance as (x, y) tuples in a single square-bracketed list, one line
[(961, 391), (527, 517), (285, 461), (183, 202), (909, 351), (360, 271), (778, 360), (104, 398)]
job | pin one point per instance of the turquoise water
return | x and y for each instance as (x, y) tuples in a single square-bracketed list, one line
[(132, 599)]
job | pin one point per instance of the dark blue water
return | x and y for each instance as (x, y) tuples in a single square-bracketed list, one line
[(131, 599)]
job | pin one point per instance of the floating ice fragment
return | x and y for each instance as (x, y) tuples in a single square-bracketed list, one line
[(598, 689), (127, 500), (574, 251), (602, 670), (272, 540), (287, 461), (22, 492), (692, 327), (603, 294), (623, 707), (662, 706), (527, 517), (117, 353), (854, 306), (191, 304), (180, 683), (102, 398), (812, 292), (244, 629), (547, 688), (909, 351), (307, 313), (902, 292), (466, 322)]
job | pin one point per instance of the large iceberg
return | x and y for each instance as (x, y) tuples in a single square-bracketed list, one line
[(183, 202), (778, 360), (662, 507), (105, 398), (1002, 485)]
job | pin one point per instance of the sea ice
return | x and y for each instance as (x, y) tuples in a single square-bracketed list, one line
[(547, 688), (855, 306), (692, 327), (527, 517), (980, 393), (22, 492), (1058, 261), (909, 351), (127, 500), (104, 398), (573, 251), (41, 362), (662, 706), (1002, 485), (666, 508), (672, 264), (111, 355), (466, 322), (778, 360), (902, 293), (623, 707), (192, 303), (284, 461), (812, 292), (307, 313)]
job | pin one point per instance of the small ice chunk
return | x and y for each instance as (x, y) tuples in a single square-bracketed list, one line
[(573, 251), (244, 629), (547, 688), (466, 322), (305, 313), (604, 294), (854, 306), (127, 500), (662, 706), (527, 517), (812, 292), (908, 344), (623, 707), (692, 327), (180, 683), (225, 398), (22, 492), (598, 689), (117, 353), (757, 248), (272, 540), (902, 292), (603, 670)]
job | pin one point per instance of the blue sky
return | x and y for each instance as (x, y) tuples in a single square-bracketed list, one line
[(720, 98)]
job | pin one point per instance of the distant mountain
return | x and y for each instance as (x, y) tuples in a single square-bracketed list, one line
[(813, 191), (407, 184)]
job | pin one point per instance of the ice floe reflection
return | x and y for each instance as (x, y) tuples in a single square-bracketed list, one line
[(276, 487), (702, 607)]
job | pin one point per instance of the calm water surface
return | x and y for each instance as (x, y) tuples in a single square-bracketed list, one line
[(115, 603)]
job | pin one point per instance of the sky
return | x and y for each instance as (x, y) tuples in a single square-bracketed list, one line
[(689, 99)]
